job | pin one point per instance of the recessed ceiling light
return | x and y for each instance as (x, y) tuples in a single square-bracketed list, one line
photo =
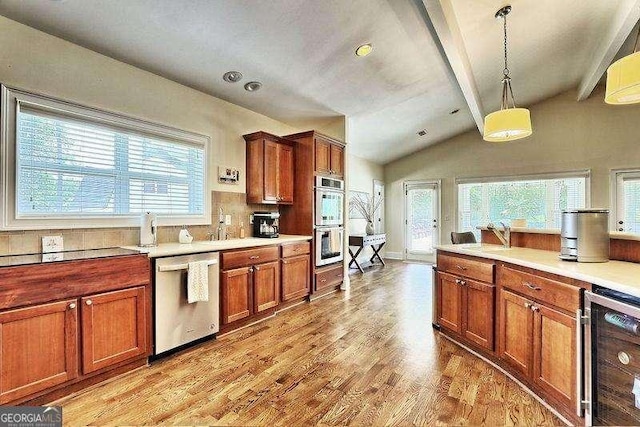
[(423, 132), (232, 76), (454, 111), (364, 50), (252, 86)]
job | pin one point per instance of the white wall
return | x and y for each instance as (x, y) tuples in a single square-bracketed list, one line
[(567, 135), (360, 176), (36, 61)]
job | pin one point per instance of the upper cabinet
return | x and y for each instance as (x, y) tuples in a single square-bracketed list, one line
[(269, 169), (329, 156)]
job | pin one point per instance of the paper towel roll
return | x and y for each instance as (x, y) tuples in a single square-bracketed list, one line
[(148, 229)]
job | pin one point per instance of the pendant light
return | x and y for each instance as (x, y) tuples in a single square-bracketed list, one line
[(509, 123), (623, 79)]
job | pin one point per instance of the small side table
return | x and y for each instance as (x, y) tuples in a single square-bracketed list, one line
[(362, 241)]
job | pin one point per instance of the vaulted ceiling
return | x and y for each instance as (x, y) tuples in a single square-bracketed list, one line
[(429, 57)]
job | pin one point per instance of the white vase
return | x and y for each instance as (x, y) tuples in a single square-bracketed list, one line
[(369, 228)]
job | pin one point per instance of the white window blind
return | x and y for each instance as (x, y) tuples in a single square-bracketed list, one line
[(72, 166), (539, 201), (627, 201)]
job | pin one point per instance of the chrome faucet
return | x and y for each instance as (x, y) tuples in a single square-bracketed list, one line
[(504, 237)]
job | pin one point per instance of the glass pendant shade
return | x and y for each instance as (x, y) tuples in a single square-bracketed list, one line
[(623, 81), (508, 124)]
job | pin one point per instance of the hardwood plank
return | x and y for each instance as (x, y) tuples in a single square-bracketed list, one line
[(364, 357)]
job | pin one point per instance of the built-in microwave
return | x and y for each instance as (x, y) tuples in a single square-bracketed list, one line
[(329, 210), (329, 245)]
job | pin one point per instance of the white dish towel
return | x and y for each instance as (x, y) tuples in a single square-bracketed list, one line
[(198, 281)]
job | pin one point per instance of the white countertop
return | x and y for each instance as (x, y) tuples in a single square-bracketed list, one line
[(170, 249), (618, 275)]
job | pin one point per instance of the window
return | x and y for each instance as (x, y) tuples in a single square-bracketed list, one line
[(75, 166), (539, 200), (626, 200)]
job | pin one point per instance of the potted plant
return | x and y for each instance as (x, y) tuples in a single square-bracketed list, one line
[(363, 204)]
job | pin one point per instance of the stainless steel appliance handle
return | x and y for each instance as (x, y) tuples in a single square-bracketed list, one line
[(579, 384), (177, 267)]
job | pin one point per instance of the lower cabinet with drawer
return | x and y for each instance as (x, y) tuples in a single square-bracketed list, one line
[(533, 316), (466, 307), (537, 327), (50, 349), (250, 283), (296, 271)]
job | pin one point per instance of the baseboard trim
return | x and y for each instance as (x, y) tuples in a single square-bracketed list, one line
[(517, 381), (393, 255)]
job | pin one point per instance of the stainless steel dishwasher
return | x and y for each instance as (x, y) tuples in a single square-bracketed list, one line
[(178, 323)]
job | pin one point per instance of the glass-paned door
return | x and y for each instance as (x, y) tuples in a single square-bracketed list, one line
[(422, 220)]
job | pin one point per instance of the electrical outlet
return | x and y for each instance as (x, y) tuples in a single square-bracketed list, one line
[(227, 220), (251, 219), (52, 244)]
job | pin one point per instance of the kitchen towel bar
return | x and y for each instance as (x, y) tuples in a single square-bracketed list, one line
[(185, 266)]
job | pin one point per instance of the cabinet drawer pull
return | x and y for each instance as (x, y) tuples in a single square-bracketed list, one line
[(323, 280), (254, 257), (89, 302), (460, 267), (532, 287), (72, 306)]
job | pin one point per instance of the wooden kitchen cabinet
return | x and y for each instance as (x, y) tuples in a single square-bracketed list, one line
[(539, 342), (296, 272), (266, 286), (74, 321), (329, 157), (449, 302), (554, 354), (236, 294), (466, 307), (114, 328), (337, 160), (38, 348), (270, 169), (515, 332)]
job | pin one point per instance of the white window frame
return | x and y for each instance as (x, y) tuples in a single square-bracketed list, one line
[(11, 99), (584, 173), (617, 199)]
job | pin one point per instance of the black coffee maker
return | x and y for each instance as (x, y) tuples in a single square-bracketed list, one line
[(265, 224)]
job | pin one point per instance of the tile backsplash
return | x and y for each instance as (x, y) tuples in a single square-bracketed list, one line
[(234, 204)]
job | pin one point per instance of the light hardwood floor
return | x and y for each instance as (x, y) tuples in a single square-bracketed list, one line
[(368, 357)]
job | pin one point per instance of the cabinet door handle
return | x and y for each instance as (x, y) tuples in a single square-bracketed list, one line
[(250, 269), (457, 281), (532, 287), (254, 257), (89, 302), (256, 268), (527, 304), (460, 267), (535, 308), (72, 306), (463, 283)]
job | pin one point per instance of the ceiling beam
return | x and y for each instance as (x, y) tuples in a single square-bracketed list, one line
[(622, 24), (442, 17)]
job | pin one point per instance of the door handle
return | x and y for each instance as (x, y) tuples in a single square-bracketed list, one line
[(88, 302), (72, 306), (254, 257)]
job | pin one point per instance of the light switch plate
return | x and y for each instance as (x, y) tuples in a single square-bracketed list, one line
[(227, 219), (52, 244)]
